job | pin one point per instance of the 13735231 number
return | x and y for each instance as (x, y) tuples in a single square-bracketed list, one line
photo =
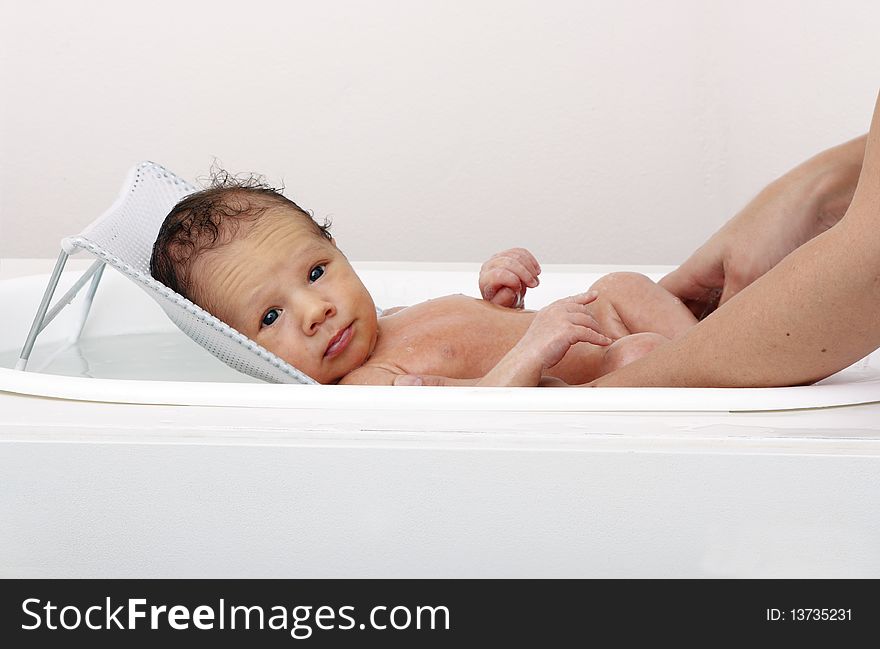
[(809, 615)]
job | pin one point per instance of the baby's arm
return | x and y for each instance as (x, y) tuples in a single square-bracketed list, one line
[(625, 304), (507, 275), (553, 332)]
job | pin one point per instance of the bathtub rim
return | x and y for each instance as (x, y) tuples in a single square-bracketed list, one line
[(353, 397)]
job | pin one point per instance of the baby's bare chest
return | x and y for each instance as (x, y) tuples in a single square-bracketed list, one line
[(455, 336)]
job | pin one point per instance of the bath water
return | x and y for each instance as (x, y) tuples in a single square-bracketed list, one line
[(167, 356)]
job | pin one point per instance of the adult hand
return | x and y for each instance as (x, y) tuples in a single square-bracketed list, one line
[(506, 276), (800, 205), (772, 225)]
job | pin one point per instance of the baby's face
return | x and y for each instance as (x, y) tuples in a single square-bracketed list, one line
[(292, 291)]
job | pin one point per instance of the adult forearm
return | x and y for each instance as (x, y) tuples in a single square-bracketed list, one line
[(791, 210), (809, 199), (797, 324), (836, 173), (813, 314)]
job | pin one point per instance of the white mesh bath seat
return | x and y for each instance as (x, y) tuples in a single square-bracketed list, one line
[(123, 238)]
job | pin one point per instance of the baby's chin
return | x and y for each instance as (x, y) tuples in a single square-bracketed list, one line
[(337, 371), (333, 380), (321, 373), (340, 373)]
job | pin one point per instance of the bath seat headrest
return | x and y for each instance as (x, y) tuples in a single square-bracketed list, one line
[(123, 238)]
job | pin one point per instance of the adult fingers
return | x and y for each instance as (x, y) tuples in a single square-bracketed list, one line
[(683, 284), (695, 295), (731, 287)]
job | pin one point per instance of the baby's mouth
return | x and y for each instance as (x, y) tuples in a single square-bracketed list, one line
[(339, 342)]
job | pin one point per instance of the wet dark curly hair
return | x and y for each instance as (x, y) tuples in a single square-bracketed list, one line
[(210, 217)]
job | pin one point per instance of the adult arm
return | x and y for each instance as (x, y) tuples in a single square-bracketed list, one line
[(813, 314), (808, 200)]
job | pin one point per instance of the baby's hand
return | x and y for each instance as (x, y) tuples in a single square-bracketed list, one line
[(559, 326), (506, 276)]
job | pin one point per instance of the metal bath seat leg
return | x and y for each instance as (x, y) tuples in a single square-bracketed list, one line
[(44, 316)]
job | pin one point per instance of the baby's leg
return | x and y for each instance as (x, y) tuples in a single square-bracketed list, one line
[(630, 303), (624, 351), (585, 362), (639, 314)]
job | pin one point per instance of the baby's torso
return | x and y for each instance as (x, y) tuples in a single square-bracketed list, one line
[(455, 336)]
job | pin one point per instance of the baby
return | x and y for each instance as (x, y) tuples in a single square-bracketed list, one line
[(257, 261)]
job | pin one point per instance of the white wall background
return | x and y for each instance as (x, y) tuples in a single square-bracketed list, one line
[(591, 132)]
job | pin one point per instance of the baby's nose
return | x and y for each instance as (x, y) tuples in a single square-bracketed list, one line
[(319, 312)]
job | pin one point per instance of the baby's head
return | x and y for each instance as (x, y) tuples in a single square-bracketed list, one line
[(256, 260)]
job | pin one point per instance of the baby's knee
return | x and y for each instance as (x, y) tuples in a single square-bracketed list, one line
[(622, 281), (624, 351)]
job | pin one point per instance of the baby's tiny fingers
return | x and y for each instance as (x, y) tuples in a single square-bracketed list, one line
[(520, 301), (586, 298), (581, 299), (510, 279), (526, 275), (585, 333), (505, 296), (585, 320), (527, 259), (493, 280), (594, 337)]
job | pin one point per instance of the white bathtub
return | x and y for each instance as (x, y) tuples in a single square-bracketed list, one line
[(133, 474)]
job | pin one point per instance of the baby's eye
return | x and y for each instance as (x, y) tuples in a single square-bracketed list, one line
[(316, 273), (270, 317)]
